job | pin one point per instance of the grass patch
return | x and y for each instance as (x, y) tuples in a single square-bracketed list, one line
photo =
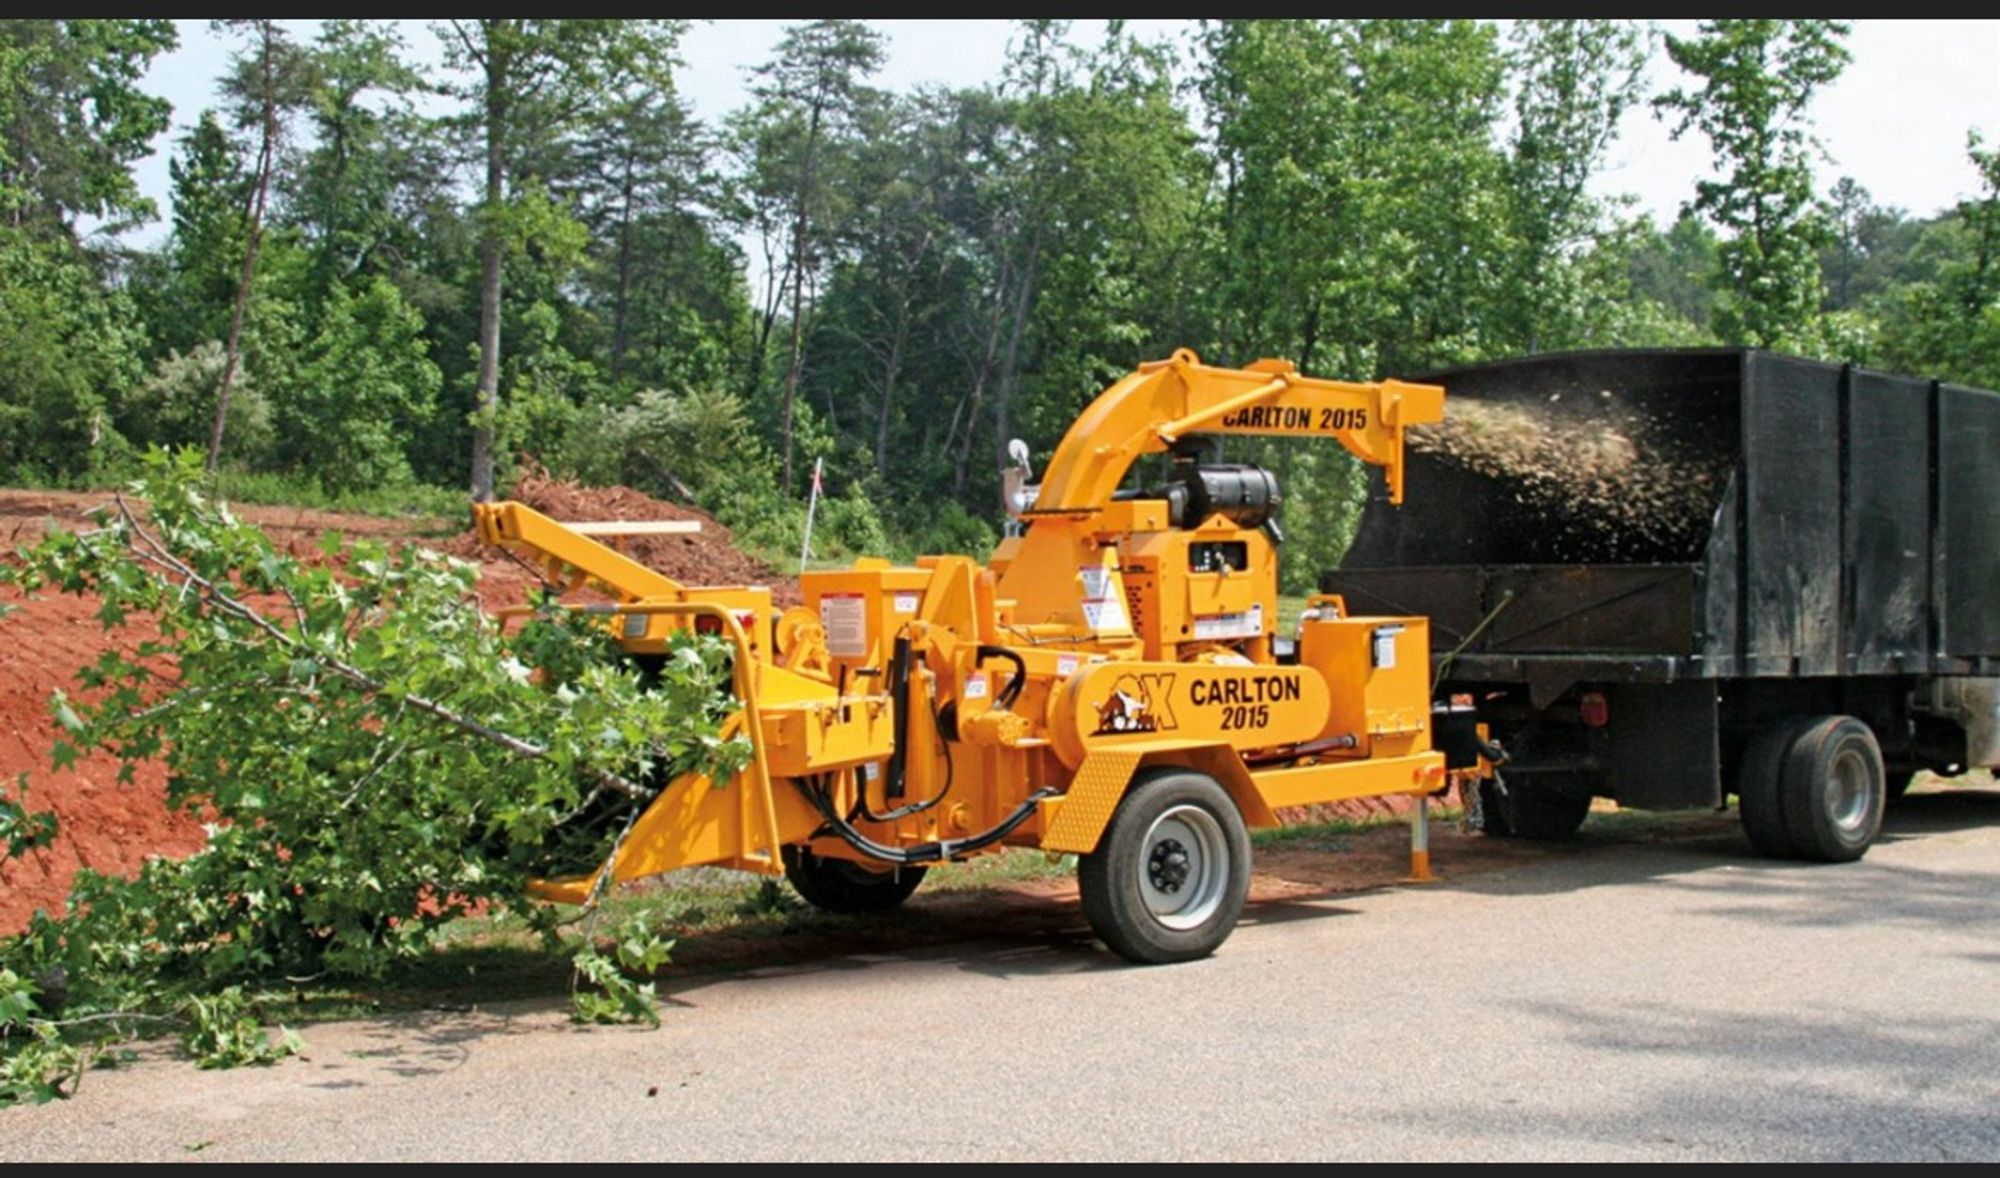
[(1012, 865), (1314, 833), (1322, 830), (446, 507), (415, 500)]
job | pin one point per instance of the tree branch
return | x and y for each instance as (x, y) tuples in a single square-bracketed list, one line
[(160, 555)]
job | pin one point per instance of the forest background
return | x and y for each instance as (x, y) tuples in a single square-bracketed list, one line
[(382, 279)]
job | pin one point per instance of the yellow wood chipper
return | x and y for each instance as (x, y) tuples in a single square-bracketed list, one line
[(1109, 684)]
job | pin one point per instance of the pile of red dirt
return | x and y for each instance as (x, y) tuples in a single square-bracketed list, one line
[(102, 824), (707, 557)]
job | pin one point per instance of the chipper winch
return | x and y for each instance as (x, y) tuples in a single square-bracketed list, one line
[(1109, 684)]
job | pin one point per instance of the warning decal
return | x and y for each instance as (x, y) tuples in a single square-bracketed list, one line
[(1103, 601), (844, 616), (1248, 624)]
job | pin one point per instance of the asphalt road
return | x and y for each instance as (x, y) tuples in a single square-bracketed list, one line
[(1678, 1001)]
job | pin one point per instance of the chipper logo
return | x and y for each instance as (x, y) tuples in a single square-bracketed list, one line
[(1138, 703)]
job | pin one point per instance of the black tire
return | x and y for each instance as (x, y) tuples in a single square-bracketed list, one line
[(842, 885), (1168, 878), (1540, 811), (1758, 779), (1833, 790)]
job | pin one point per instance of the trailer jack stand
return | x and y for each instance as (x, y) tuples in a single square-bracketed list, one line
[(1420, 842)]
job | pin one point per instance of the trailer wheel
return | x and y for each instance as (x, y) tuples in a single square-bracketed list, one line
[(1833, 790), (842, 885), (1759, 784), (1168, 879), (1539, 812)]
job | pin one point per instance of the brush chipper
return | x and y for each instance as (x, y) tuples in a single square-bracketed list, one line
[(1110, 683)]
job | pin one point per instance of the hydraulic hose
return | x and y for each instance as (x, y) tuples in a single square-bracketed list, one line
[(899, 698), (1020, 680), (917, 807), (933, 852)]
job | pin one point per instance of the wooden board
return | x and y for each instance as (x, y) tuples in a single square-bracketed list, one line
[(653, 527)]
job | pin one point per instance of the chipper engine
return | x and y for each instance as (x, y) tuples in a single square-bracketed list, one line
[(1110, 683)]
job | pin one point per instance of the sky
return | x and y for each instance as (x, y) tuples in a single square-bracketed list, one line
[(1895, 120)]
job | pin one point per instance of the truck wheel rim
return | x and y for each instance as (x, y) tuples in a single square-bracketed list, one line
[(1183, 867), (1847, 791)]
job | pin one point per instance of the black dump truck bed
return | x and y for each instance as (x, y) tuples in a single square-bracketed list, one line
[(1662, 516)]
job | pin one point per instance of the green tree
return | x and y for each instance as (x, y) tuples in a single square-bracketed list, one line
[(365, 385), (368, 149), (68, 348), (264, 86), (186, 287), (73, 120), (1365, 211), (173, 406), (1950, 325), (639, 161), (527, 82), (72, 123), (1278, 118), (187, 291), (662, 303), (1674, 268), (1021, 144), (899, 241), (1092, 184), (1120, 231), (1850, 214), (807, 102), (1753, 80), (1573, 82), (1875, 248)]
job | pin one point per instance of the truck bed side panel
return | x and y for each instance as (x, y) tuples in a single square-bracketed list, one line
[(1887, 541), (1968, 552), (1791, 431)]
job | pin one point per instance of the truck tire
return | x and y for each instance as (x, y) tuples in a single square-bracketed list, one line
[(844, 886), (1542, 812), (1833, 790), (1168, 878), (1758, 786)]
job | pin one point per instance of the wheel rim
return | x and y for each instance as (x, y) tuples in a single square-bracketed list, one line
[(1183, 867), (1847, 799)]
